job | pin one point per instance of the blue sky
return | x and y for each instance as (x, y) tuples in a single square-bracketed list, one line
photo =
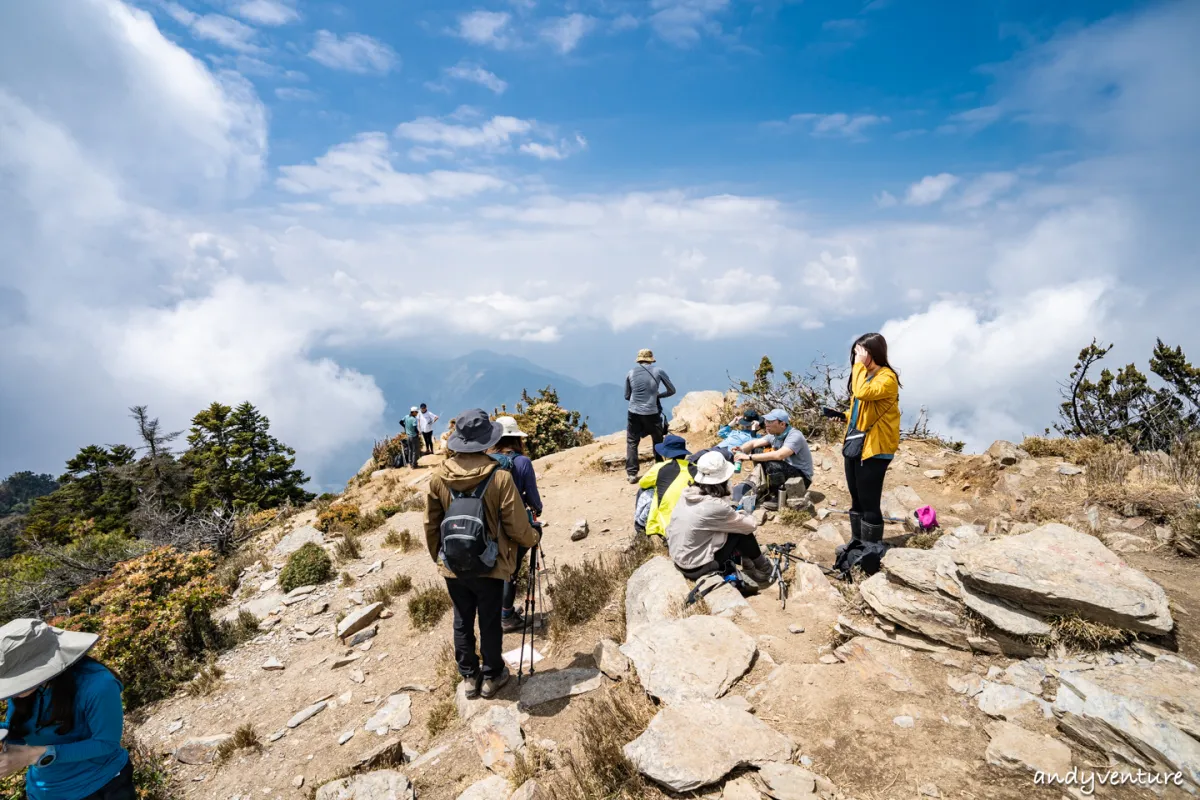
[(231, 199)]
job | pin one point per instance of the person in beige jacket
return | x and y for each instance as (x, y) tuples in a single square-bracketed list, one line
[(465, 468)]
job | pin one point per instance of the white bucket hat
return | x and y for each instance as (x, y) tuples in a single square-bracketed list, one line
[(32, 652), (511, 428), (713, 468)]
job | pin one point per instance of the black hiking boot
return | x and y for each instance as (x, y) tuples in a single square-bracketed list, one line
[(855, 526), (872, 533), (512, 623)]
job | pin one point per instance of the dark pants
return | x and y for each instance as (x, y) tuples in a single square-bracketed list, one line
[(119, 788), (638, 427), (414, 450), (864, 479), (510, 585), (482, 596), (428, 436), (742, 545)]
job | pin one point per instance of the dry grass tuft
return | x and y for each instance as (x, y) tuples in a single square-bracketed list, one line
[(230, 571), (349, 548), (1077, 451), (441, 716), (581, 591), (427, 607), (1081, 634), (347, 579), (532, 762), (244, 738), (1185, 530), (243, 629), (793, 517), (924, 540), (606, 724), (403, 540), (385, 592), (1159, 502), (207, 680)]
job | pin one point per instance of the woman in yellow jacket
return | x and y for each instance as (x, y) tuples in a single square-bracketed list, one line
[(872, 433)]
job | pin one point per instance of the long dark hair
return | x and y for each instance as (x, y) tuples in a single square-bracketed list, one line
[(876, 347), (516, 443), (714, 489), (62, 704)]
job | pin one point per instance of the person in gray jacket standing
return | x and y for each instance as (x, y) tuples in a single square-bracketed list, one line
[(645, 408)]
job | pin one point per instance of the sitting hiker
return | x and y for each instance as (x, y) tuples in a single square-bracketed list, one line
[(788, 458), (668, 479), (706, 534)]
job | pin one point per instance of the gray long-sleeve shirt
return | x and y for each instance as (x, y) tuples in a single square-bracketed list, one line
[(641, 388)]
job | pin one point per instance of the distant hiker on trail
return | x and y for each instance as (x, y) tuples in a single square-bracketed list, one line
[(65, 716), (412, 438), (706, 534), (474, 523), (645, 408), (509, 453), (667, 480), (788, 458), (872, 433), (446, 434), (425, 420)]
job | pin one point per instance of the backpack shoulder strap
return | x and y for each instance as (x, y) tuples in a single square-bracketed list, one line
[(481, 487)]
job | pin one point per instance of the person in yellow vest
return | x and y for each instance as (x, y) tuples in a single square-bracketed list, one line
[(872, 433), (668, 479)]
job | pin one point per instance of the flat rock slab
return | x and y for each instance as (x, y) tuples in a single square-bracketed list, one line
[(610, 660), (655, 592), (201, 750), (1002, 700), (1004, 615), (727, 602), (543, 687), (789, 782), (872, 660), (498, 737), (492, 788), (395, 715), (1018, 750), (697, 743), (1146, 716), (360, 618), (303, 716), (930, 614), (297, 539), (697, 658), (1058, 570), (385, 784)]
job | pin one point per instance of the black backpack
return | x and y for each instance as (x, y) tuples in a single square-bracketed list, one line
[(467, 548), (867, 556)]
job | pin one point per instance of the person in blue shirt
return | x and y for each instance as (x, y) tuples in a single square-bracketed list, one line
[(510, 452), (412, 436), (64, 719)]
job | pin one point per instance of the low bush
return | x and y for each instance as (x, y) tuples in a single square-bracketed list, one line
[(340, 517), (580, 591), (348, 549), (207, 681), (307, 566), (427, 607), (441, 716), (385, 592)]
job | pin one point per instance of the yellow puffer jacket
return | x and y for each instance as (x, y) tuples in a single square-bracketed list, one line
[(877, 403), (668, 479)]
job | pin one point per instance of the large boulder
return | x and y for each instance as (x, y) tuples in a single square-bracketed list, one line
[(1144, 715), (386, 784), (697, 744), (697, 658), (698, 412), (655, 592), (1058, 570), (1006, 453), (498, 737), (930, 614), (295, 540)]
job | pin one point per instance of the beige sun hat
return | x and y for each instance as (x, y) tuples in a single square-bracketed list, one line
[(32, 652), (645, 357), (713, 468), (511, 428)]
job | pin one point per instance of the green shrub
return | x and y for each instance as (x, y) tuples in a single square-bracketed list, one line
[(307, 566), (427, 606), (348, 549), (549, 427)]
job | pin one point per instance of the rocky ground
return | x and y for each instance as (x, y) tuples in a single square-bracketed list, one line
[(945, 675)]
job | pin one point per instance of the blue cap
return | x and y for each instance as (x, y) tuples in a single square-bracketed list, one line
[(777, 415)]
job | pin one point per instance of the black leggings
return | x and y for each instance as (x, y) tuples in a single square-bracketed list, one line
[(119, 788), (740, 544), (865, 481)]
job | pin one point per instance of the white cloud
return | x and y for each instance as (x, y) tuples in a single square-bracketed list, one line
[(930, 189), (684, 22), (266, 12), (555, 152), (835, 278), (839, 125), (354, 52), (985, 188), (473, 73), (885, 199), (360, 173), (299, 95), (225, 31), (565, 32), (625, 22), (486, 28), (495, 134)]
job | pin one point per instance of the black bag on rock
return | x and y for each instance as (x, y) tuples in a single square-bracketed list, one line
[(867, 556)]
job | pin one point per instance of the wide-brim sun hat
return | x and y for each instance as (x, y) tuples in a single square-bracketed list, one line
[(511, 428), (474, 432), (712, 467), (645, 356), (32, 652), (672, 447)]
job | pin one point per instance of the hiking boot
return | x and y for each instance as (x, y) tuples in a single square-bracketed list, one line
[(513, 622), (492, 686), (855, 526), (473, 684), (771, 505), (633, 478), (759, 570), (872, 533)]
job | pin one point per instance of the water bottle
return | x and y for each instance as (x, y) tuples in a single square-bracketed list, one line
[(749, 501)]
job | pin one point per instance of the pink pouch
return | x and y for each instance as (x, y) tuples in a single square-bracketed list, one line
[(926, 517)]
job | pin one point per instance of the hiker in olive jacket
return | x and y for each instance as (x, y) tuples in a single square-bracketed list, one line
[(468, 464)]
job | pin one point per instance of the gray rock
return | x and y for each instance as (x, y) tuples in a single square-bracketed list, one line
[(1069, 469), (385, 784), (366, 634), (543, 687), (934, 474), (924, 570), (1004, 615), (342, 661), (901, 502), (201, 750), (392, 751), (1027, 675), (358, 619), (727, 602), (300, 591), (498, 737), (811, 586), (697, 658), (580, 530), (970, 685), (345, 737), (272, 664), (395, 715), (794, 628), (789, 782), (885, 663), (830, 533), (904, 721), (655, 592), (742, 788), (1006, 453), (492, 788), (610, 660), (295, 540), (1144, 715), (303, 716), (175, 727), (930, 614), (529, 790), (468, 708), (848, 626), (679, 749), (1004, 701), (1058, 570), (263, 606), (1018, 750)]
